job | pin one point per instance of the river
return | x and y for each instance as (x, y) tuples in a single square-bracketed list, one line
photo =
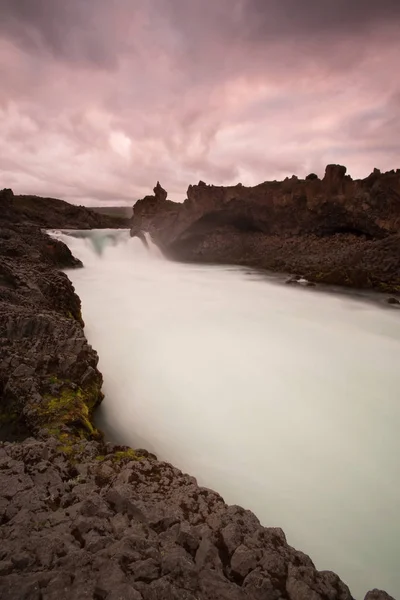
[(284, 400)]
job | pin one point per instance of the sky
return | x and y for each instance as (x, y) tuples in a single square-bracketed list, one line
[(99, 99)]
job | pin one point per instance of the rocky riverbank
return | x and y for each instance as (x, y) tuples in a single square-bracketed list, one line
[(334, 231), (81, 518)]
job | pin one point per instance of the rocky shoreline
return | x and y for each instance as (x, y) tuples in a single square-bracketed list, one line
[(334, 231), (81, 518)]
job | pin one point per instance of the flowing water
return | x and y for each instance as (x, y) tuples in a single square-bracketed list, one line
[(284, 400)]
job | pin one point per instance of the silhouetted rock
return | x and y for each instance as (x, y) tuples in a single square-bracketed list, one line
[(6, 195), (335, 230), (160, 193)]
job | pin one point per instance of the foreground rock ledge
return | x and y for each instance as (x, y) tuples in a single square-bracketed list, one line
[(108, 523), (80, 518)]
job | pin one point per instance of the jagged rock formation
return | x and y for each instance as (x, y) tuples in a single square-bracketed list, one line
[(80, 518), (52, 213), (333, 230)]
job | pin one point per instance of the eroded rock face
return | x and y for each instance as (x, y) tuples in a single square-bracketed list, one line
[(48, 372), (333, 230)]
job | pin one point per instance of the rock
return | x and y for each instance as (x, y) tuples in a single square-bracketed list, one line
[(79, 548), (44, 355), (160, 193), (312, 177), (293, 280), (335, 230), (378, 595), (393, 300), (51, 213), (6, 195), (334, 175), (243, 561)]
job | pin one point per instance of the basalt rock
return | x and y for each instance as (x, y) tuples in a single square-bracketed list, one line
[(333, 230)]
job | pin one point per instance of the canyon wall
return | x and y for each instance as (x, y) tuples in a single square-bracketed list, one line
[(334, 230)]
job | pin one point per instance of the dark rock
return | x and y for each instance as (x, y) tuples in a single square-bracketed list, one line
[(378, 595), (160, 193), (293, 280), (52, 213), (335, 230), (393, 300), (6, 195)]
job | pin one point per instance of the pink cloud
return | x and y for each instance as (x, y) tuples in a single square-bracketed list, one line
[(96, 105)]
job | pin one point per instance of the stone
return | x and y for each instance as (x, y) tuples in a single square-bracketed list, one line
[(243, 561), (334, 230), (160, 193), (378, 595)]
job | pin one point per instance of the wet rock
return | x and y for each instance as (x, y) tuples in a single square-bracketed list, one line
[(392, 300), (293, 280)]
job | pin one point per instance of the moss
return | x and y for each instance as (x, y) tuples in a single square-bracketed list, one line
[(69, 450), (128, 454), (67, 415), (8, 417), (120, 455), (387, 288)]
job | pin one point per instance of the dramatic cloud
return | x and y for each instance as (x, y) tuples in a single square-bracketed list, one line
[(101, 98)]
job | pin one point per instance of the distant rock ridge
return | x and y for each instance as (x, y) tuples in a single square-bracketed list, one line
[(333, 230), (52, 213)]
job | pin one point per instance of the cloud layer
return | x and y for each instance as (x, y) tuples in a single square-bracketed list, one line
[(100, 99)]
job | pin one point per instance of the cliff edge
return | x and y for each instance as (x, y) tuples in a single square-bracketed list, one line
[(333, 230)]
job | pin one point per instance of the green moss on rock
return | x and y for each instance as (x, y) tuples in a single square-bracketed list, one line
[(67, 414)]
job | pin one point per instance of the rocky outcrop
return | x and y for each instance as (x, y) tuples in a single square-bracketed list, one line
[(333, 230), (81, 518), (49, 380), (105, 522), (51, 213)]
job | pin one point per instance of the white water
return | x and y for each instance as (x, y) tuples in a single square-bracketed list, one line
[(284, 400)]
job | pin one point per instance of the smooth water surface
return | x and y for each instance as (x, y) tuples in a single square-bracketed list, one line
[(284, 400)]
